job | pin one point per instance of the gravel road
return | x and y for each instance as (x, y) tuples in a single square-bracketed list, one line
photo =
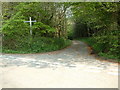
[(71, 67)]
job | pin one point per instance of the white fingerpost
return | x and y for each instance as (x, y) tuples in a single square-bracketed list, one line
[(30, 21)]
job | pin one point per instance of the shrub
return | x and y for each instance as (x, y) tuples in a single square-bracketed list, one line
[(36, 45)]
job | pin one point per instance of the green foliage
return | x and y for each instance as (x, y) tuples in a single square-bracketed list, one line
[(110, 42), (15, 27), (101, 21), (80, 29), (41, 29), (17, 38), (37, 45), (99, 48), (70, 35)]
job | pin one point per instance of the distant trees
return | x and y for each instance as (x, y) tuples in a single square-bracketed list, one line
[(97, 16), (101, 21)]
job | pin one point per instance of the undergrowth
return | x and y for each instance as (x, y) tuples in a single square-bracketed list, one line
[(99, 48), (35, 45)]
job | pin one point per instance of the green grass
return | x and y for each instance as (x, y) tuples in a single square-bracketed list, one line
[(98, 48), (36, 45)]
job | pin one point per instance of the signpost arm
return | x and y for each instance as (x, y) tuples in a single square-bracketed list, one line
[(30, 21)]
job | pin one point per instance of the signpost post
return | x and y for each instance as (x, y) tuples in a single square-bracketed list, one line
[(30, 21)]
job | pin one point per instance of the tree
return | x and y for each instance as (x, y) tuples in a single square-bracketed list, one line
[(100, 20), (50, 19)]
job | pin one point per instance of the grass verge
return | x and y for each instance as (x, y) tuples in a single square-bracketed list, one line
[(36, 45), (97, 49)]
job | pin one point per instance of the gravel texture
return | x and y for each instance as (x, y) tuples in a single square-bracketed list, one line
[(76, 57)]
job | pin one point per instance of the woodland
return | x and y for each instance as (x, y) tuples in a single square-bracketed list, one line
[(57, 24)]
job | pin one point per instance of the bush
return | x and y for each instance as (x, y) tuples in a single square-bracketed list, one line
[(36, 45), (106, 48), (110, 42)]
